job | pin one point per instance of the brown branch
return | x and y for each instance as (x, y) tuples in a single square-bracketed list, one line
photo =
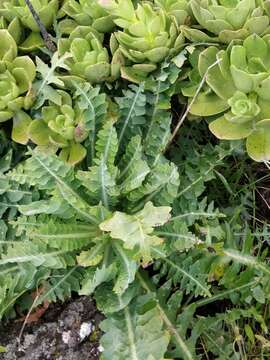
[(182, 118), (46, 36)]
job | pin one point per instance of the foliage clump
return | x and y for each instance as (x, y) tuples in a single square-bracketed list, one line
[(101, 193)]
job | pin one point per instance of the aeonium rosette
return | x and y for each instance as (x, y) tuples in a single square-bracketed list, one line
[(85, 13), (226, 20), (16, 76), (179, 9), (18, 19), (89, 58), (240, 82), (244, 108), (147, 37), (60, 127), (46, 10)]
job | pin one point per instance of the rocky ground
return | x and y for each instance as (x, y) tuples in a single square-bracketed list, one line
[(66, 331)]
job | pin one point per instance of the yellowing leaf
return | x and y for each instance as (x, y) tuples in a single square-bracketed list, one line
[(135, 229), (91, 257)]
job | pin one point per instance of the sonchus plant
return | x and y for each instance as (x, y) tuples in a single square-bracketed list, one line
[(90, 59), (228, 20), (101, 219), (238, 89), (86, 13), (16, 76), (148, 35)]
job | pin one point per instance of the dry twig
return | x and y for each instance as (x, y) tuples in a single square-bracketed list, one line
[(46, 36)]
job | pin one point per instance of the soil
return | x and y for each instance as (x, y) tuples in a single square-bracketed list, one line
[(68, 331)]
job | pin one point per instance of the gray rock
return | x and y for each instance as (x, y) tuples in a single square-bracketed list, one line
[(69, 332)]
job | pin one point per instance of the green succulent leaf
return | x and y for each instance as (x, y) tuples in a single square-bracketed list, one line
[(258, 142), (21, 122), (208, 104), (224, 129)]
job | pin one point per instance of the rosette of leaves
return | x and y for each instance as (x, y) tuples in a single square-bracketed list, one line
[(14, 28), (18, 16), (179, 9), (89, 59), (148, 35), (102, 219), (86, 13), (60, 127), (238, 89), (46, 10), (26, 42), (16, 76), (227, 20)]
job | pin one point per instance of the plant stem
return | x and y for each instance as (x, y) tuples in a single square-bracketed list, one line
[(182, 118), (46, 36)]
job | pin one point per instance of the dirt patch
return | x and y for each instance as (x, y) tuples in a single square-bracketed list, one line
[(68, 331)]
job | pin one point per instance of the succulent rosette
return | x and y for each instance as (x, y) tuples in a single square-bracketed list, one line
[(14, 28), (46, 10), (16, 76), (85, 12), (90, 60), (60, 128), (18, 16), (148, 35), (238, 88), (227, 20), (179, 9)]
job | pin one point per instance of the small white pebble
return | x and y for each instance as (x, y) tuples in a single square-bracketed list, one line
[(66, 336), (85, 330), (100, 348)]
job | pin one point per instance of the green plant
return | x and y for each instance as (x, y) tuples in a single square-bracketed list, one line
[(45, 9), (164, 226), (60, 127), (227, 21), (237, 89), (18, 19), (178, 9), (148, 36), (16, 76), (89, 59), (85, 12)]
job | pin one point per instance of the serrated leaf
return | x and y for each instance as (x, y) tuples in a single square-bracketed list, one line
[(95, 107), (49, 77), (134, 230), (132, 110), (106, 145), (160, 186), (127, 268), (91, 257), (95, 277), (133, 169), (133, 334), (100, 184)]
